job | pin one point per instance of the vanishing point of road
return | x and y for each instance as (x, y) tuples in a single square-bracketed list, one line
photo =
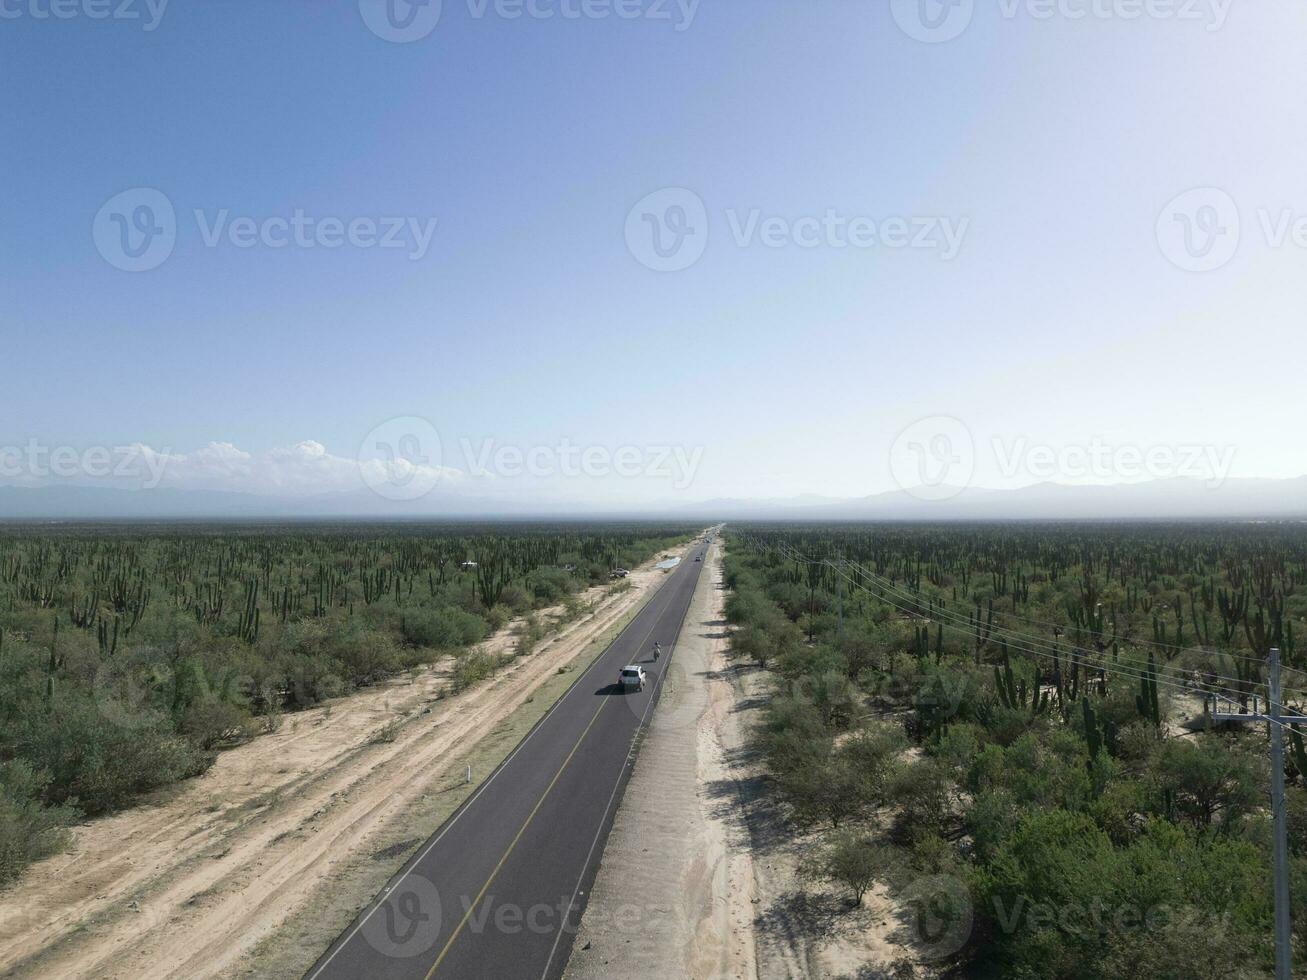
[(498, 890)]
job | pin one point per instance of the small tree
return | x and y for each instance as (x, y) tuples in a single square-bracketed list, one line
[(851, 861)]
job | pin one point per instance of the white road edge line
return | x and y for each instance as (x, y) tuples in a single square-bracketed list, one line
[(467, 804), (595, 843)]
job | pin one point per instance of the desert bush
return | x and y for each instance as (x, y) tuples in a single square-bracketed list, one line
[(1210, 781), (471, 668), (851, 861), (99, 763), (498, 616), (211, 722), (28, 830), (516, 599), (549, 585), (442, 629), (924, 791)]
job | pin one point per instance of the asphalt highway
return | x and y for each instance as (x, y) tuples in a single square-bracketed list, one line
[(498, 890)]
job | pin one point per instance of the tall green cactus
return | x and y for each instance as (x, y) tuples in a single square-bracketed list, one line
[(1012, 693), (1146, 701), (1097, 740), (248, 629), (108, 642), (53, 664)]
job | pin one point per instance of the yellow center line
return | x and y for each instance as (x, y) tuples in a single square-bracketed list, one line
[(530, 816), (539, 803)]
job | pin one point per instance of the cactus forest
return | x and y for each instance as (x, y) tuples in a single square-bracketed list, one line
[(1023, 714), (129, 656)]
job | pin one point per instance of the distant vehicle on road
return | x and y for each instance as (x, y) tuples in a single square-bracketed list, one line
[(618, 573), (631, 678), (698, 558)]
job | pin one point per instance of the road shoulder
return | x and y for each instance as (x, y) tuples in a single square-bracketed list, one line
[(674, 892)]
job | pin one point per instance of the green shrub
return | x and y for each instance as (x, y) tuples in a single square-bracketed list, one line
[(472, 668), (851, 861), (443, 629), (210, 722), (28, 830), (99, 763)]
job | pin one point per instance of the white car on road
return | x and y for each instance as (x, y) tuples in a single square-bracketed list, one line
[(631, 678)]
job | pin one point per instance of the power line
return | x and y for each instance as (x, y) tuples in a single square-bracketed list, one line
[(1040, 648), (1136, 640), (1119, 663), (1117, 658)]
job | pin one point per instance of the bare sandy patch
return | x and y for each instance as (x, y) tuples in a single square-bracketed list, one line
[(701, 876), (190, 883)]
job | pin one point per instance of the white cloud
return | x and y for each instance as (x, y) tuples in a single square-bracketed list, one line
[(302, 469)]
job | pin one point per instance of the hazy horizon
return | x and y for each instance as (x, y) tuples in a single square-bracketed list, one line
[(783, 250)]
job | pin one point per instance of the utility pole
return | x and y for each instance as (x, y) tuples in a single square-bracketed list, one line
[(839, 585), (1275, 719), (1283, 949)]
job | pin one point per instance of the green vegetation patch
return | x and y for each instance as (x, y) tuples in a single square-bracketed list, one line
[(1005, 725)]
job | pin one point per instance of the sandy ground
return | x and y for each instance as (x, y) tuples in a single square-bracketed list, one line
[(700, 876), (191, 882)]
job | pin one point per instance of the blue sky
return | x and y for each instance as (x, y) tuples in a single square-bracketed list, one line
[(1053, 143)]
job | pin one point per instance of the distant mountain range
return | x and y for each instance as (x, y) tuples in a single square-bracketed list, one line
[(1182, 499)]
